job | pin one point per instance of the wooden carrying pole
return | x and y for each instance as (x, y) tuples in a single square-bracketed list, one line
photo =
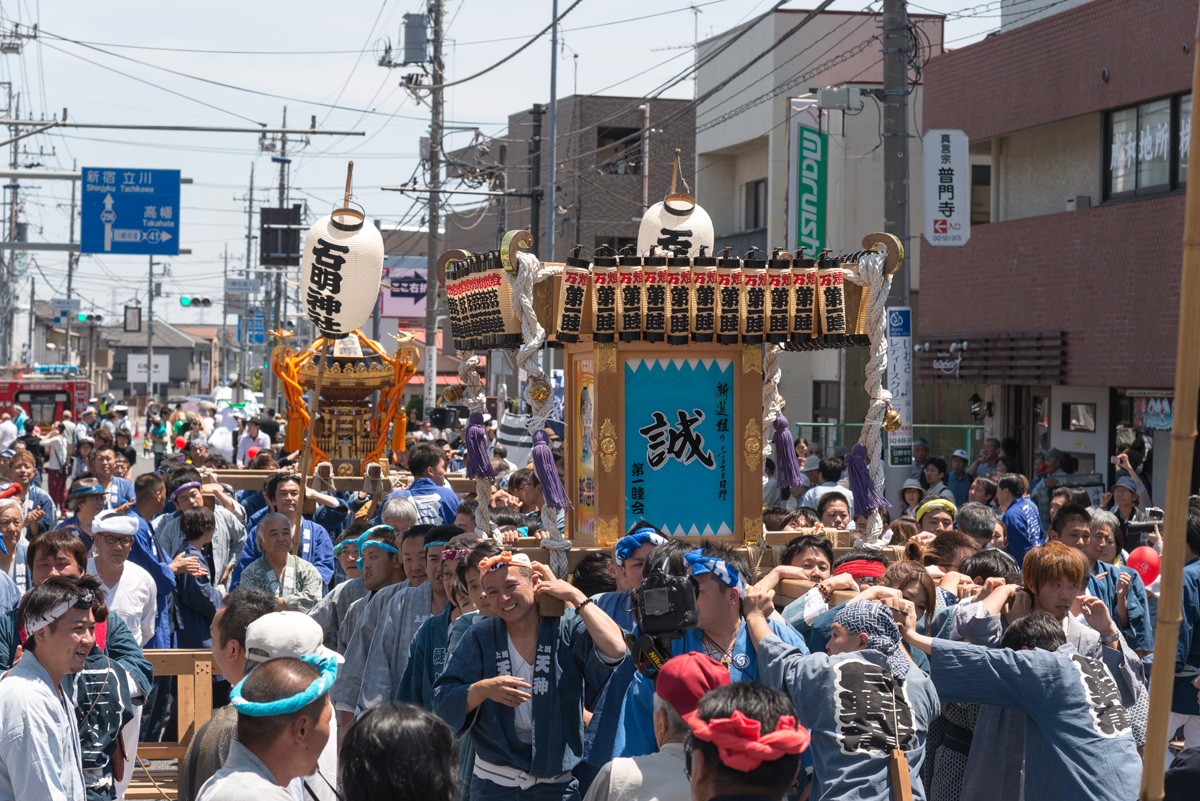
[(306, 465), (1179, 478)]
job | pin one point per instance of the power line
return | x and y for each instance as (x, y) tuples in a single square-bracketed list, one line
[(222, 84), (514, 53), (156, 86)]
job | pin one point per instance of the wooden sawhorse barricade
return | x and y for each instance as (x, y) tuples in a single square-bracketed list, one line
[(193, 708)]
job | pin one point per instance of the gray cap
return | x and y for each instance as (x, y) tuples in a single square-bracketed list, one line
[(1128, 483), (920, 441), (811, 463)]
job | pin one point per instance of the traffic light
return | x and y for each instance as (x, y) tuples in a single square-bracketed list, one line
[(188, 300), (89, 318)]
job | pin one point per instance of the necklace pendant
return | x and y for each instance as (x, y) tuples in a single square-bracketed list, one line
[(726, 661)]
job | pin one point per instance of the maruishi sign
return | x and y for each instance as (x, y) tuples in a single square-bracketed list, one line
[(807, 168)]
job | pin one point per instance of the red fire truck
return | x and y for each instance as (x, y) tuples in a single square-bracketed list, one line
[(45, 392)]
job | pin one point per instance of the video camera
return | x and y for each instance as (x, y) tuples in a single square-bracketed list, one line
[(1135, 531), (666, 606)]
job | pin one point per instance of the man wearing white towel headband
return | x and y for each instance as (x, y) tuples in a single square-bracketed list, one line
[(39, 741)]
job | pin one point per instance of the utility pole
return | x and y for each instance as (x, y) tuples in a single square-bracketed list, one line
[(29, 351), (243, 325), (895, 135), (220, 365), (150, 332), (434, 238), (11, 278), (551, 124), (896, 210), (71, 260), (280, 303), (535, 175), (551, 171)]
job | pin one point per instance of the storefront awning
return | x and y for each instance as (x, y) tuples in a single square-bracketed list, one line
[(1018, 358)]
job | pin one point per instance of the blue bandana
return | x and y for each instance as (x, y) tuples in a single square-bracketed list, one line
[(882, 634), (724, 572), (627, 545), (363, 542), (92, 489), (286, 706)]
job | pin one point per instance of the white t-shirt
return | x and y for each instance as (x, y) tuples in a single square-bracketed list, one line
[(134, 599), (523, 714)]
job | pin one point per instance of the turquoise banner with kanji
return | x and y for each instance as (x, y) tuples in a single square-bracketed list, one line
[(679, 445)]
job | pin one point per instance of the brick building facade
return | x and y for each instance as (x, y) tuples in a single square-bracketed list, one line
[(1079, 126)]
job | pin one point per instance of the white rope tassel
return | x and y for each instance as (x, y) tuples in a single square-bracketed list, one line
[(869, 273), (533, 336), (476, 401), (772, 401)]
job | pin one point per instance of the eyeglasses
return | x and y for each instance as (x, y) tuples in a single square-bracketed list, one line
[(115, 540)]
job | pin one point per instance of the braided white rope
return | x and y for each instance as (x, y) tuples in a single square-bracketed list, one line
[(869, 273), (476, 401), (772, 401), (533, 336)]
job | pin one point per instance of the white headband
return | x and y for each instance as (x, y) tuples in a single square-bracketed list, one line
[(84, 601)]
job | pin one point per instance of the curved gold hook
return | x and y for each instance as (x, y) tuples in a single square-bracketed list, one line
[(454, 254), (508, 248), (893, 247)]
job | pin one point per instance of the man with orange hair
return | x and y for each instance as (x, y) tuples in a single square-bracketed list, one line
[(1055, 576)]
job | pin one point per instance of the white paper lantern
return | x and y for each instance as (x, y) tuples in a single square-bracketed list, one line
[(341, 271), (676, 222)]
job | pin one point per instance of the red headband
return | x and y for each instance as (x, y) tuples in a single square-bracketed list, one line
[(861, 568), (740, 744)]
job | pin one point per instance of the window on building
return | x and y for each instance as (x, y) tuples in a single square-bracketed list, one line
[(756, 205), (981, 194), (827, 408), (615, 242), (1148, 147), (620, 150)]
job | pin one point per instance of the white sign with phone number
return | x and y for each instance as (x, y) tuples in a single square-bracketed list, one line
[(947, 187)]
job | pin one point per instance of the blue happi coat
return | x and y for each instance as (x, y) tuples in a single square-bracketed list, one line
[(1103, 584), (853, 704), (635, 732), (1078, 740), (1187, 652), (426, 660), (564, 651)]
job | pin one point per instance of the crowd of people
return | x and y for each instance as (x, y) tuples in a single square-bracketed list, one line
[(381, 646)]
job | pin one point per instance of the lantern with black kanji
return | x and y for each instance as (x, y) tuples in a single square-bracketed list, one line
[(341, 271)]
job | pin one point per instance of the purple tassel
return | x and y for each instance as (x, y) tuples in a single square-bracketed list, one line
[(787, 470), (543, 464), (478, 463), (867, 497)]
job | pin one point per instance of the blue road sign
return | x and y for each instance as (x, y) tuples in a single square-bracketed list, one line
[(255, 327), (129, 211)]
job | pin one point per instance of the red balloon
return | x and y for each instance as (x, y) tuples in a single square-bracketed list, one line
[(180, 443), (1145, 561), (251, 453)]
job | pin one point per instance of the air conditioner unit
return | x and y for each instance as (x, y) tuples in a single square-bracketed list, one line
[(1079, 202), (104, 358)]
